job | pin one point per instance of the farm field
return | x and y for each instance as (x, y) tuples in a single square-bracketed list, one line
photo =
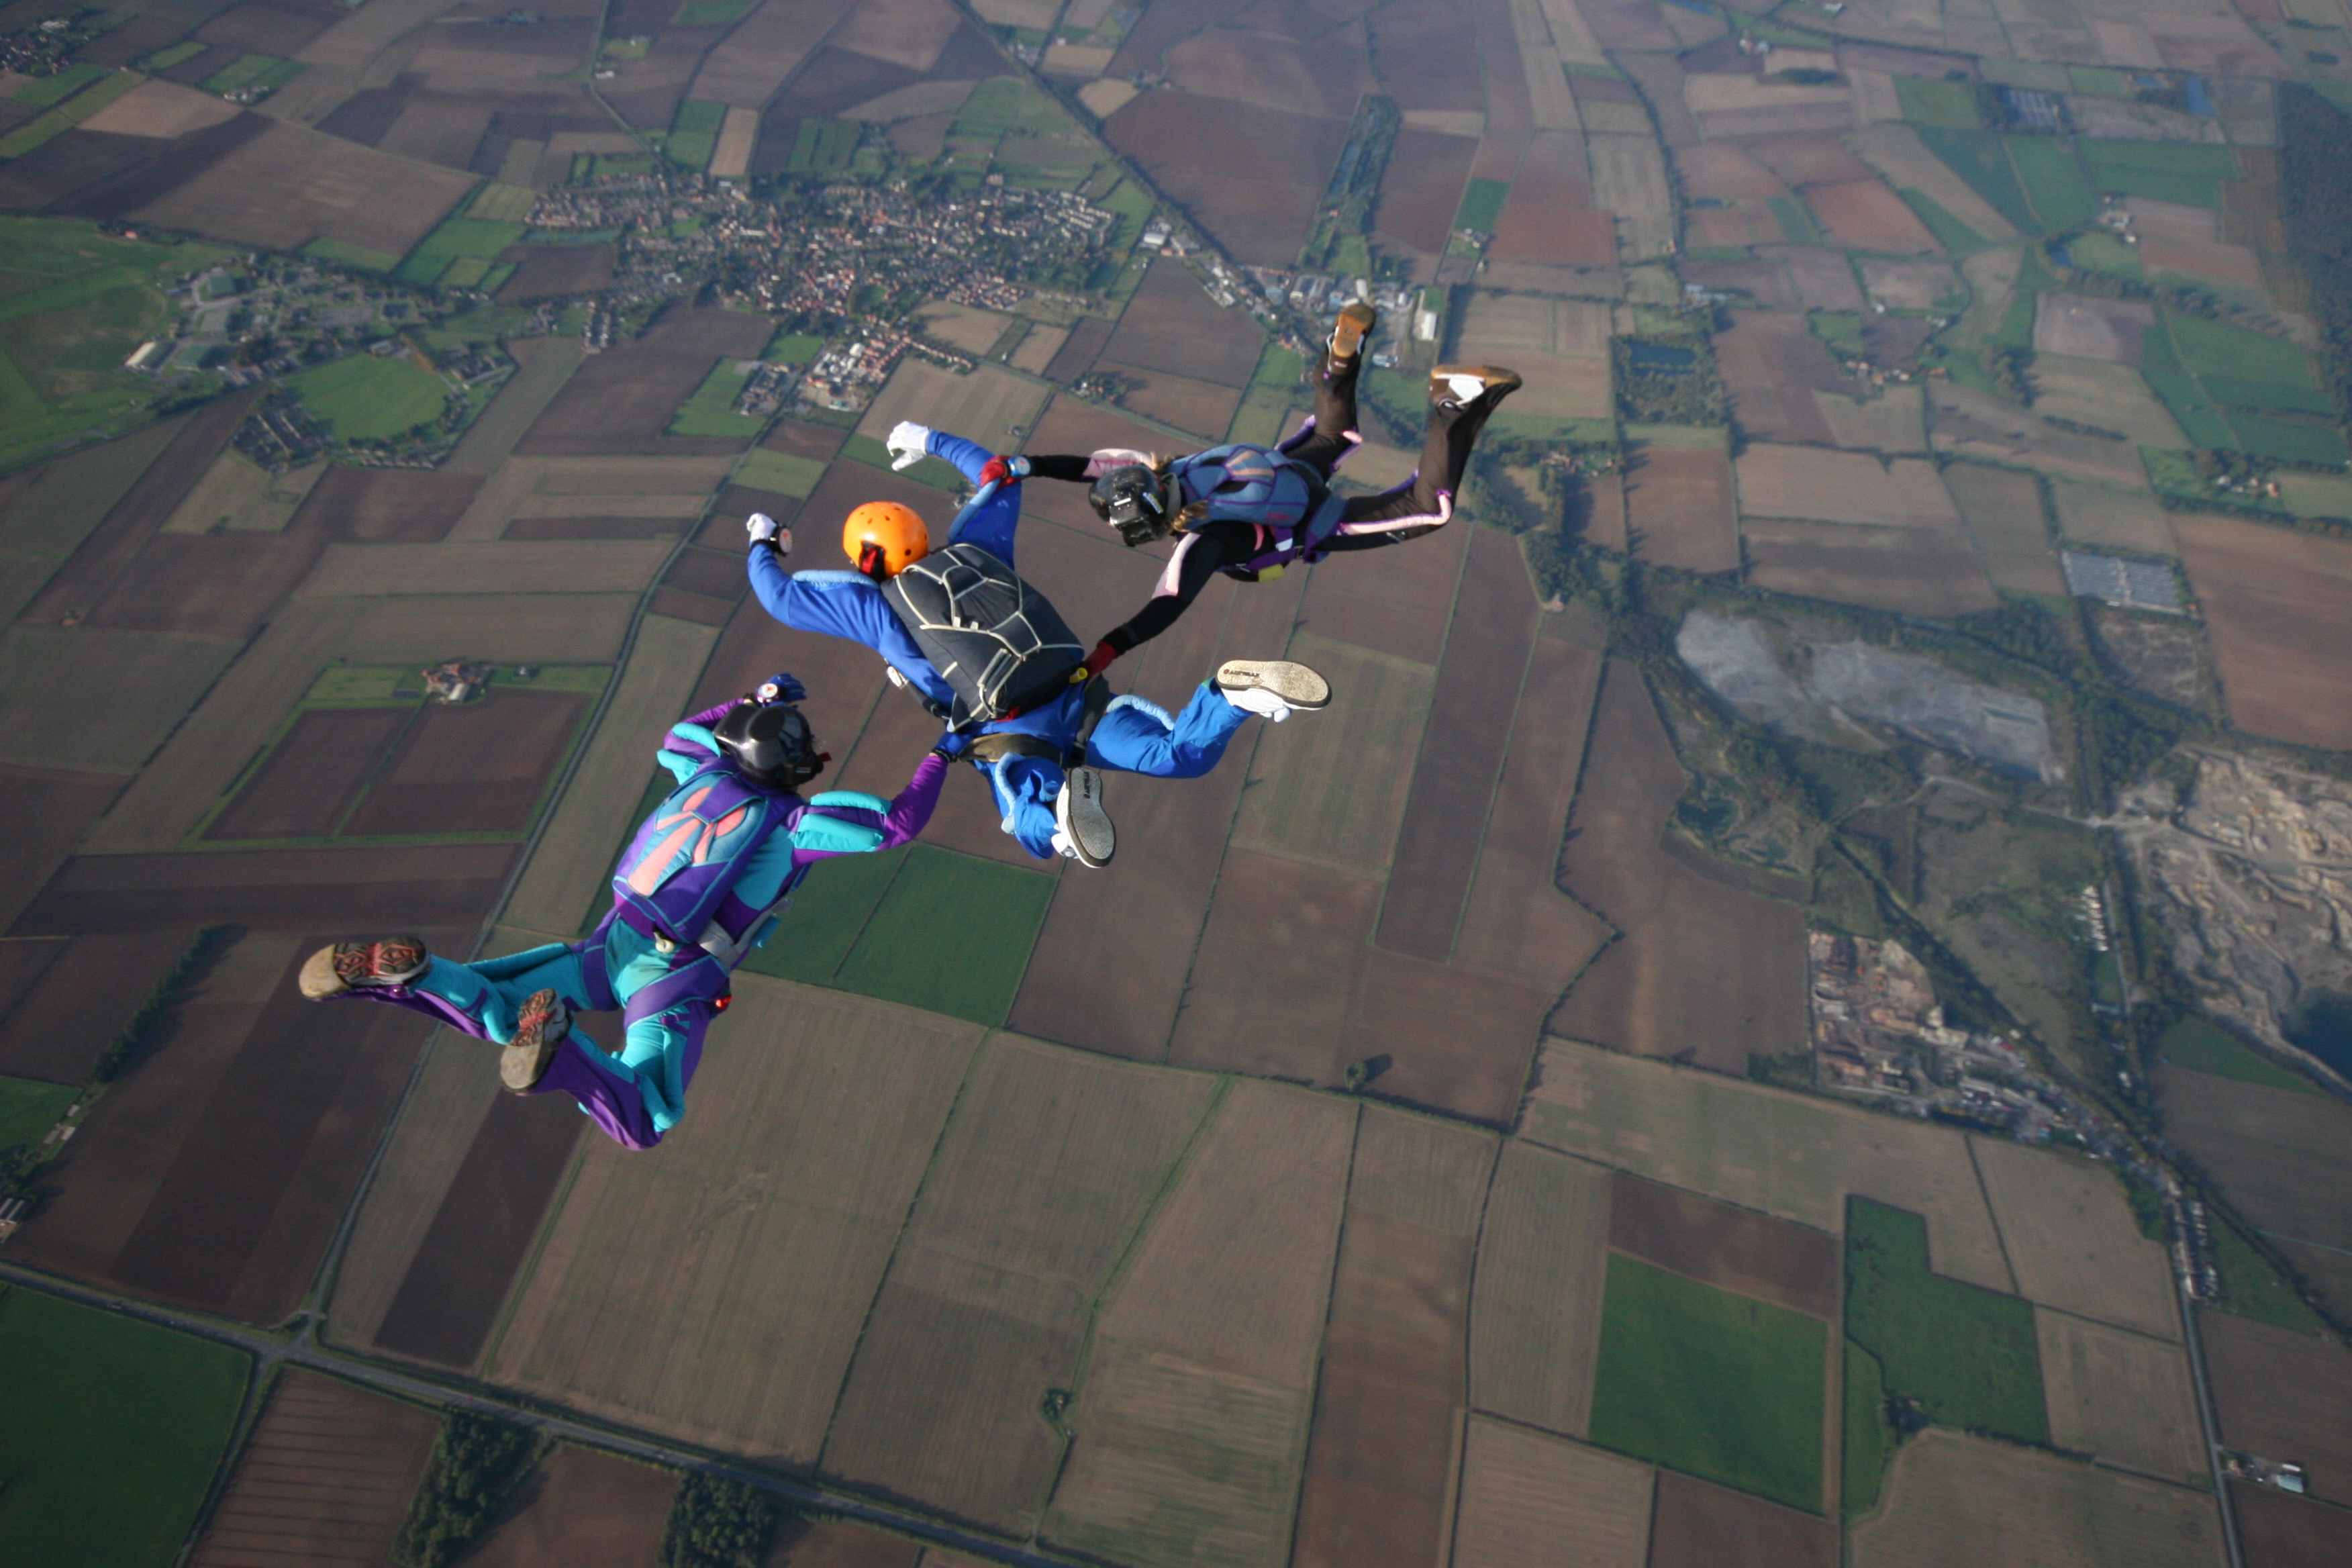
[(1714, 1384), (1535, 1310), (2269, 597), (2122, 1397), (326, 1476), (583, 1510), (1530, 1500), (1966, 1354), (2072, 1240), (2274, 1389), (112, 1433)]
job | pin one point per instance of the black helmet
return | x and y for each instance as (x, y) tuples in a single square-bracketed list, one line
[(1132, 501), (771, 744)]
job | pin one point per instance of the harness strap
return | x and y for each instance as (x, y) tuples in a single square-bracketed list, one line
[(1001, 744)]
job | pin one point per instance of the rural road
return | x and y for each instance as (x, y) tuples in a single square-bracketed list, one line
[(302, 1350)]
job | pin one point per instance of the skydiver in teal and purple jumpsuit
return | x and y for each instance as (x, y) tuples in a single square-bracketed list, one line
[(698, 889), (1039, 724)]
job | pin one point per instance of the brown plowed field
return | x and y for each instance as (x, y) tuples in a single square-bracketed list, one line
[(307, 783), (83, 996), (1698, 1525), (2283, 1394), (1535, 1315), (1454, 1038), (1533, 1501), (1071, 427), (1323, 77), (837, 1543), (1277, 961), (2276, 1530), (1250, 176), (22, 962), (475, 769), (452, 1292), (387, 506), (1462, 750), (728, 529), (1548, 217), (280, 27), (843, 679), (108, 552), (1202, 407), (1725, 171), (1518, 922), (622, 400), (2274, 605), (1397, 601), (1843, 487), (2282, 1156), (1771, 364), (1678, 508), (291, 184), (279, 889), (1865, 214), (325, 1480), (582, 1510), (1736, 1249), (1171, 837), (1388, 1404), (1765, 280), (680, 605), (1806, 159), (1421, 191), (1824, 280), (1172, 325), (215, 1172), (1636, 997), (554, 271), (1425, 56), (51, 809), (222, 585), (2003, 511), (1078, 352), (1910, 571)]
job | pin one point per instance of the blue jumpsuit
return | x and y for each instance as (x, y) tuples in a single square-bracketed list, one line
[(1134, 736)]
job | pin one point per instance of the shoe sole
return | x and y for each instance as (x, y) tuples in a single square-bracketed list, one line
[(322, 975), (1298, 686), (1355, 323), (1078, 812), (1499, 382), (318, 980), (526, 1058)]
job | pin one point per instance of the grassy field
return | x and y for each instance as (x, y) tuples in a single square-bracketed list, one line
[(1967, 1355), (1712, 1384), (457, 240), (253, 71), (364, 398), (1482, 204), (711, 411), (29, 1108), (110, 1432), (2250, 1288), (69, 113), (694, 132), (1868, 1438), (2205, 1047), (823, 146), (2161, 170), (952, 934), (1980, 158), (2054, 180), (83, 304), (780, 471), (1938, 105)]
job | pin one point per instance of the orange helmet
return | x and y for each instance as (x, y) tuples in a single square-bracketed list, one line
[(884, 538)]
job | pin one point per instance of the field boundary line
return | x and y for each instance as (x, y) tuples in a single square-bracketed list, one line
[(906, 1224), (1437, 666), (1992, 1213), (525, 1271)]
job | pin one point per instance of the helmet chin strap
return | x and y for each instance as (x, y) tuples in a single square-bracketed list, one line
[(872, 560)]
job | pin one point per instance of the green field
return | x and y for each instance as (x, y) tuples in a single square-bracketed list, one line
[(164, 59), (2203, 1045), (2250, 1288), (1867, 1441), (792, 348), (1981, 159), (713, 13), (1712, 1384), (1937, 105), (29, 1108), (83, 304), (2161, 170), (2099, 251), (1796, 221), (110, 1431), (253, 71), (43, 92), (2054, 180), (823, 146), (711, 411), (694, 132), (925, 926), (364, 398), (781, 473), (1482, 204), (2287, 441), (990, 110), (2216, 348), (356, 256), (456, 238), (68, 115), (1967, 1355)]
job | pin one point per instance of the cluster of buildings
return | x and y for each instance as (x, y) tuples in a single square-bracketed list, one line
[(43, 49), (262, 316), (839, 251), (1878, 1033), (457, 680), (846, 375)]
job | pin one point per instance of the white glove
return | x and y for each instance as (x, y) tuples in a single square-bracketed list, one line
[(766, 530), (908, 443)]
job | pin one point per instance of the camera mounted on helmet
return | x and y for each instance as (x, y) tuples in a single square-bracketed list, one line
[(1133, 500), (771, 744)]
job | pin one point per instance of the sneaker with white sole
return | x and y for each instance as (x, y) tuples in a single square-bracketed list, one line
[(362, 965), (1082, 828), (540, 1030), (1273, 688), (1453, 388)]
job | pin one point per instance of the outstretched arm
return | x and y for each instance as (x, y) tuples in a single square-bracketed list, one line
[(848, 822), (1085, 471), (1200, 555)]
